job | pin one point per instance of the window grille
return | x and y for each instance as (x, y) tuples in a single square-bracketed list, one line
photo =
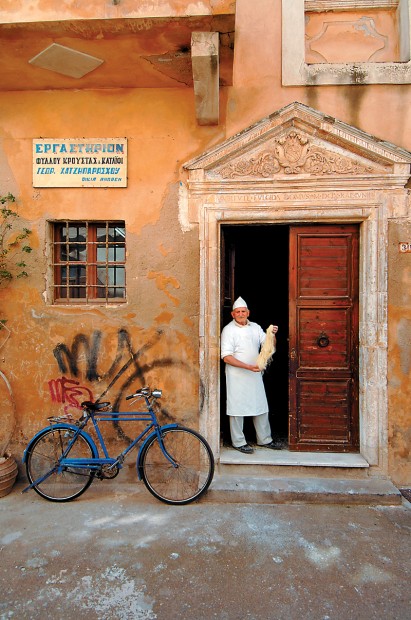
[(89, 262)]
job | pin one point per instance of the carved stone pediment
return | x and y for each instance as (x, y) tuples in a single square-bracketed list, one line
[(295, 153), (298, 141)]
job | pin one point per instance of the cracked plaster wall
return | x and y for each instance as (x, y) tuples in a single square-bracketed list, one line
[(399, 353), (159, 322)]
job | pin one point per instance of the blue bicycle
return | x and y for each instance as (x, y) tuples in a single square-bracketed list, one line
[(175, 463)]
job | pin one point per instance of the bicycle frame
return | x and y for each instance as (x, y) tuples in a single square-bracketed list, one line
[(96, 462), (132, 416)]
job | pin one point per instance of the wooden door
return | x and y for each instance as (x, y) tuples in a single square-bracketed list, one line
[(323, 338)]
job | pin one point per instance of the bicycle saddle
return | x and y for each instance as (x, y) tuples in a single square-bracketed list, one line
[(87, 404)]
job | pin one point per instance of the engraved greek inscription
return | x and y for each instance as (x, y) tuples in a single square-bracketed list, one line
[(317, 197)]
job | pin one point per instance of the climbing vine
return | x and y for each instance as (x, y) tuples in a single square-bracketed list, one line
[(13, 245)]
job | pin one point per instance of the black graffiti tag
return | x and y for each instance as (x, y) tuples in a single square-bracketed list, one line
[(121, 374)]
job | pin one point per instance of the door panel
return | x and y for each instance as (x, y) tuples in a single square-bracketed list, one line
[(331, 323), (323, 266), (323, 356), (324, 411)]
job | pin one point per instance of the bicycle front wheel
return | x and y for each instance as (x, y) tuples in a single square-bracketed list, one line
[(188, 476), (43, 458)]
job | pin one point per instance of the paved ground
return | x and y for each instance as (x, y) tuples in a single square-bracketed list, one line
[(117, 553)]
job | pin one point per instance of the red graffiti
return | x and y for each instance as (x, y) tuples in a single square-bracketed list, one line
[(69, 392)]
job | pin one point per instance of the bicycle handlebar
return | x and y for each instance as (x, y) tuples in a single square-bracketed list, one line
[(146, 392)]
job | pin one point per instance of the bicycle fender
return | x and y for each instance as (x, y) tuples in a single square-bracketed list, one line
[(60, 426), (143, 445)]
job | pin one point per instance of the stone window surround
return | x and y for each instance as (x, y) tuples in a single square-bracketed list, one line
[(296, 72)]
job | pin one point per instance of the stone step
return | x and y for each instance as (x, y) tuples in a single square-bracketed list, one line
[(227, 488), (265, 456), (284, 463)]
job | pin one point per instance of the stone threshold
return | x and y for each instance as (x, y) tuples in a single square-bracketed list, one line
[(234, 483), (264, 456)]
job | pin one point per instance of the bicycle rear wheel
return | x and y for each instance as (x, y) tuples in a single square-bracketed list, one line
[(193, 471), (43, 457)]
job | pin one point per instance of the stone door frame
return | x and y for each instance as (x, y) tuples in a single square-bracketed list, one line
[(263, 176), (373, 411)]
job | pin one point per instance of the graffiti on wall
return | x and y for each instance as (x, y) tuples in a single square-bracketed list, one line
[(69, 393), (85, 358)]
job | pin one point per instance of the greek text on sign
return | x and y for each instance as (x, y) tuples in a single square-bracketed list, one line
[(405, 246), (80, 162)]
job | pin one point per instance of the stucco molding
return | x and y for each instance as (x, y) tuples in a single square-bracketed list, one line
[(369, 200)]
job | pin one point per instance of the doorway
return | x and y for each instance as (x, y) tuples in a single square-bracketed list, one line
[(254, 262), (303, 278)]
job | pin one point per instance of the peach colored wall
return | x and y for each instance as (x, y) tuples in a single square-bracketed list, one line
[(162, 261), (399, 354), (160, 321), (381, 110)]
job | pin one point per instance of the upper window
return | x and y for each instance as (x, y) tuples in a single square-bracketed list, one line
[(346, 42), (359, 35), (89, 262)]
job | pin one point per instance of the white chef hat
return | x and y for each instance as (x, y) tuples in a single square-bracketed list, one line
[(239, 303)]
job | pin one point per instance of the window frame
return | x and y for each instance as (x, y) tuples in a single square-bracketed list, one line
[(296, 72), (91, 263)]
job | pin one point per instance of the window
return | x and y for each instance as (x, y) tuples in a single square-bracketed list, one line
[(89, 262), (346, 42)]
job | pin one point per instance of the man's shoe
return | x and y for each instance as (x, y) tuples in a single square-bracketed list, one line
[(273, 445), (246, 449)]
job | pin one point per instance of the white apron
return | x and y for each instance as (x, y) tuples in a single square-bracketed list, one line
[(245, 389)]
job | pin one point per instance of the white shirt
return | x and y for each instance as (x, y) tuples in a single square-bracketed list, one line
[(245, 388)]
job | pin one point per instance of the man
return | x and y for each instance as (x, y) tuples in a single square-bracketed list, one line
[(241, 341)]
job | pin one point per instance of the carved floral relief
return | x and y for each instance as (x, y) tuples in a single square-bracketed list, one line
[(292, 154)]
